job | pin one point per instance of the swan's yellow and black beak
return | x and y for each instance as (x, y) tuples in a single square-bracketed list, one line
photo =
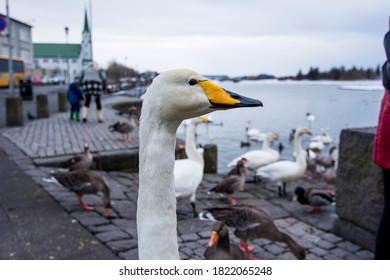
[(223, 99)]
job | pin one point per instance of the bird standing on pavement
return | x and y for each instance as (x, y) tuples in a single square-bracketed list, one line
[(233, 182), (125, 128), (85, 182), (251, 222), (80, 162), (313, 197)]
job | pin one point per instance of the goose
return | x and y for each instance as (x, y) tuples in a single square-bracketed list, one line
[(313, 197), (285, 171), (311, 164), (80, 162), (251, 222), (326, 160), (219, 246), (85, 182), (125, 127), (232, 182), (258, 158), (189, 172), (173, 96)]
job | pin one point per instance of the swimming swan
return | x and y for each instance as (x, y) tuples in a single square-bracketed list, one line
[(172, 97)]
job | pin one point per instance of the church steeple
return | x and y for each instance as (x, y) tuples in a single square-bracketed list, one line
[(86, 25), (86, 44)]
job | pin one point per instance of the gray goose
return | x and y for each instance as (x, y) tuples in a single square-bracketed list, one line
[(80, 162), (126, 127), (219, 247), (251, 222), (233, 182), (85, 182), (313, 197)]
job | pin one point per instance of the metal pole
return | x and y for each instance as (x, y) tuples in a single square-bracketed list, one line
[(10, 66), (67, 54)]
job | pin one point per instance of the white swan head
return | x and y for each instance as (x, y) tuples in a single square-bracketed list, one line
[(184, 94)]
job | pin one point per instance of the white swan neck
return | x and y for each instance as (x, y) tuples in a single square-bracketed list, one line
[(156, 214)]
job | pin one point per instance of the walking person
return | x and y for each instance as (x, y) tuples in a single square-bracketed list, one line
[(382, 158), (93, 83), (75, 98)]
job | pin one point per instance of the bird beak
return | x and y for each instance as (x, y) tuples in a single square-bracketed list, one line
[(224, 99), (105, 211), (307, 131), (295, 198), (213, 239), (205, 120)]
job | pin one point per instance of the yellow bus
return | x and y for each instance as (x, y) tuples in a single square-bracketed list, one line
[(18, 69)]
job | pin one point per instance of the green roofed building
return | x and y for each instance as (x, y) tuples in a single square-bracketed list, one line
[(53, 57)]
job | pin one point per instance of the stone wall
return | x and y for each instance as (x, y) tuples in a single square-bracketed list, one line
[(359, 198)]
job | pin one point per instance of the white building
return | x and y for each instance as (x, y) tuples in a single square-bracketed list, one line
[(54, 57)]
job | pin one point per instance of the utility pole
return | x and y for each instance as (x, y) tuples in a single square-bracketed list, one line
[(10, 66), (67, 54)]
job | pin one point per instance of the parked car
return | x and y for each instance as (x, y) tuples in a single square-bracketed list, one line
[(36, 80), (57, 79), (46, 80)]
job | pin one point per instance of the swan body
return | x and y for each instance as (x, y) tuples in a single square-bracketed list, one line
[(172, 97), (285, 171), (189, 172), (259, 158)]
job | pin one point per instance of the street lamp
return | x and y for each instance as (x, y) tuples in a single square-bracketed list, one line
[(67, 54)]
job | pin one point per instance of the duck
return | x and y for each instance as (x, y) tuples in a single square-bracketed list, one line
[(173, 96), (233, 182), (313, 197), (284, 171), (125, 128), (84, 182), (259, 158), (219, 246), (189, 172), (252, 222), (79, 162)]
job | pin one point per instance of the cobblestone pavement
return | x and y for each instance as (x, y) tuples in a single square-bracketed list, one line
[(117, 232)]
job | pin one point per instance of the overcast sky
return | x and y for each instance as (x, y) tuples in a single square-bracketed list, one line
[(234, 37)]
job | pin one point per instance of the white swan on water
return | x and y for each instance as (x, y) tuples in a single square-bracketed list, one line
[(172, 97)]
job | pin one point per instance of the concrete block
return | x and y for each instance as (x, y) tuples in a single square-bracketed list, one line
[(62, 102), (359, 199), (14, 111), (42, 106), (210, 155)]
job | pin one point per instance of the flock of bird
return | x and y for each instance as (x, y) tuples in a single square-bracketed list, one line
[(173, 97)]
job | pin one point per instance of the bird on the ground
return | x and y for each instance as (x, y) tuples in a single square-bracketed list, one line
[(126, 127), (219, 246), (172, 97), (84, 182), (285, 171), (233, 182), (311, 163), (189, 172), (251, 222), (30, 116), (79, 162), (313, 197)]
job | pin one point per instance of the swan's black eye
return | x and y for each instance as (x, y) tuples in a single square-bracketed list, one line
[(192, 82)]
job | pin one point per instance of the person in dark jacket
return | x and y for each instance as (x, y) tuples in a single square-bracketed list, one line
[(382, 159), (75, 97)]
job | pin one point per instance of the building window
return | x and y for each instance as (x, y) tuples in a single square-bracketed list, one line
[(24, 34)]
